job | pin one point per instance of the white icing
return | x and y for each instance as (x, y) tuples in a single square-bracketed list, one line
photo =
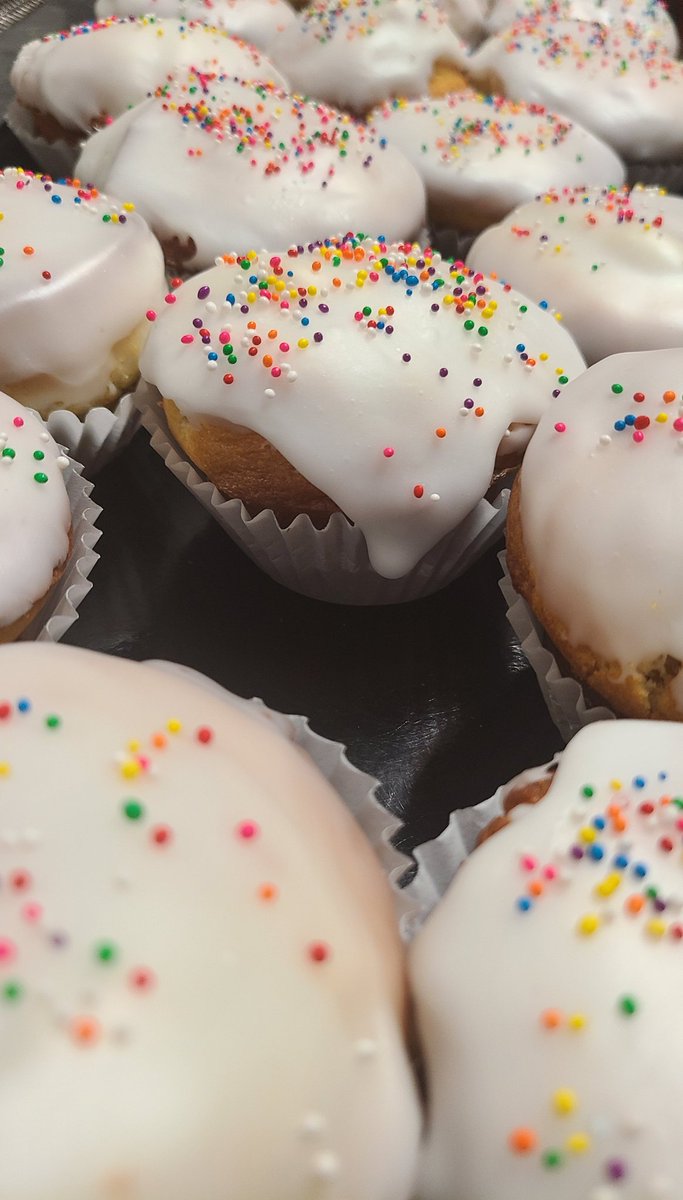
[(488, 154), (355, 55), (254, 167), (467, 18), (600, 517), (611, 263), (257, 21), (35, 516), (102, 276), (650, 16), (203, 1082), (362, 383), (615, 81), (102, 68), (484, 973)]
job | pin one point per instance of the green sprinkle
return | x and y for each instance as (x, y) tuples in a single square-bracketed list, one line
[(469, 324), (53, 721), (40, 477), (133, 809), (8, 452), (628, 1005), (552, 1159), (523, 308), (38, 455), (617, 388), (563, 379), (13, 990), (106, 218), (366, 311), (482, 331), (228, 349), (587, 791), (106, 952)]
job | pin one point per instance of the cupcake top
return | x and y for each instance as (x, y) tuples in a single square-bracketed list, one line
[(609, 261), (213, 163), (257, 21), (547, 985), (100, 68), (618, 82), (649, 16), (200, 969), (355, 53), (493, 153), (601, 493), (35, 516), (78, 273), (423, 366)]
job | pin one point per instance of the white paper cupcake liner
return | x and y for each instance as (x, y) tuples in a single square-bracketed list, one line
[(356, 788), (57, 159), (99, 436), (60, 610), (332, 563), (439, 860), (564, 696)]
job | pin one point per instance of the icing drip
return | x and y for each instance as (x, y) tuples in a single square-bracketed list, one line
[(35, 517), (617, 82), (78, 273), (587, 253), (100, 68), (484, 150), (200, 971), (357, 53), (558, 1078), (423, 364), (228, 164), (601, 500)]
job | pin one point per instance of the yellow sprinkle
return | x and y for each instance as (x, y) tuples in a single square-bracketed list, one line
[(129, 207), (577, 1021), (656, 927), (587, 834), (302, 343), (578, 1143), (564, 1101), (134, 746), (174, 725), (4, 769), (115, 218), (130, 769), (558, 316), (616, 785), (251, 296), (589, 924), (449, 300), (487, 312), (543, 357), (661, 418), (558, 249), (609, 884)]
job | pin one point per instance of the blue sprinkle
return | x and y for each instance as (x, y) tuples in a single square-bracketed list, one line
[(639, 781), (621, 861), (640, 870), (596, 852), (630, 419), (213, 356), (230, 298), (619, 425), (543, 304), (599, 822), (519, 347), (524, 904), (56, 199), (24, 706)]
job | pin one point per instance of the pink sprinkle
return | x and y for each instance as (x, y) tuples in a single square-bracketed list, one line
[(247, 830), (7, 950), (389, 451), (170, 298), (284, 346), (678, 424), (529, 863), (276, 372), (638, 435), (550, 872), (560, 427), (187, 339), (32, 911), (151, 315), (224, 337), (18, 421)]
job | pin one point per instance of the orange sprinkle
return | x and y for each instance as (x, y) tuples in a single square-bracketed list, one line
[(272, 333), (635, 904), (159, 740), (268, 891), (536, 888), (479, 412), (669, 397), (440, 432), (316, 265), (551, 1018), (267, 360), (85, 1030), (29, 250), (523, 1141)]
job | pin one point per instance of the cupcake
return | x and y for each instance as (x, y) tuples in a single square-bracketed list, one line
[(546, 984), (196, 996), (68, 84), (361, 53), (592, 522), (213, 163), (481, 156), (616, 81), (359, 382), (609, 261), (35, 517), (257, 21)]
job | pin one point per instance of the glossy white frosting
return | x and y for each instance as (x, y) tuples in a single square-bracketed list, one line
[(488, 154), (101, 68), (257, 21), (79, 272), (210, 988), (396, 412), (611, 263), (601, 508), (358, 53), (651, 16), (467, 18), (35, 517), (530, 1024), (236, 165), (616, 81)]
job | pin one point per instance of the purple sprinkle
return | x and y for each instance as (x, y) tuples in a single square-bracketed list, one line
[(435, 308), (556, 392), (476, 382), (324, 308), (443, 371), (469, 403), (406, 358), (577, 852), (615, 1169), (317, 337), (203, 292), (197, 322)]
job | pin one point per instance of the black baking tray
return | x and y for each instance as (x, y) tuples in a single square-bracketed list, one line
[(435, 697)]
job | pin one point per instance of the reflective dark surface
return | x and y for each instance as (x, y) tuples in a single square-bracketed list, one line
[(435, 697)]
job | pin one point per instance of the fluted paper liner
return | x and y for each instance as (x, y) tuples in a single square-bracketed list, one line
[(98, 436), (332, 563)]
